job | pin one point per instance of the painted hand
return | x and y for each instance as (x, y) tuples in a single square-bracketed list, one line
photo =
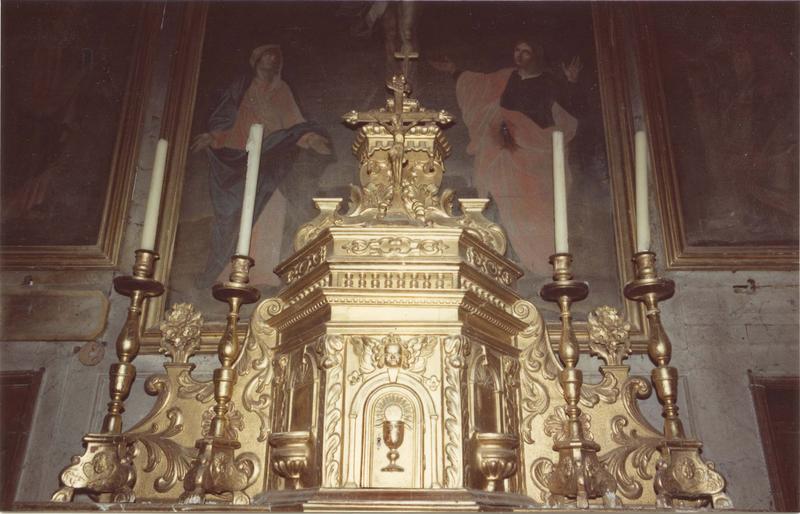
[(572, 70), (201, 142)]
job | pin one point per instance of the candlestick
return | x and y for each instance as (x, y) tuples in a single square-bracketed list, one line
[(115, 478), (154, 197), (678, 453), (251, 180), (559, 193), (578, 473), (206, 475), (642, 211)]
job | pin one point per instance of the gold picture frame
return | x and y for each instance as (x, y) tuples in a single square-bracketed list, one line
[(179, 115), (663, 130), (104, 254)]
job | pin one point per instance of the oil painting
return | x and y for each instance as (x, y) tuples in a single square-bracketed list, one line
[(510, 73), (727, 97), (65, 108)]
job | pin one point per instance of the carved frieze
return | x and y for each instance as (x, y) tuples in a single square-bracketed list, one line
[(394, 246)]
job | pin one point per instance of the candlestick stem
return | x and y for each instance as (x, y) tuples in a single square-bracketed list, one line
[(578, 473), (678, 453), (220, 444), (109, 450)]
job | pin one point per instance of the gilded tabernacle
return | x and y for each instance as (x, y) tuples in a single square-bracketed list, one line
[(398, 365)]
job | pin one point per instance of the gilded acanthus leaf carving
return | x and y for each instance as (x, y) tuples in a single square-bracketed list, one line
[(158, 444), (609, 335), (257, 396), (180, 332), (639, 450), (234, 425), (557, 425), (188, 387), (605, 391), (541, 471)]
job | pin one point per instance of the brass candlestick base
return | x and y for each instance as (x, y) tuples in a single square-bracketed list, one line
[(681, 475), (217, 470), (105, 471), (578, 473)]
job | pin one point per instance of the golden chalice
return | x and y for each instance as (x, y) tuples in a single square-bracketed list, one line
[(393, 437)]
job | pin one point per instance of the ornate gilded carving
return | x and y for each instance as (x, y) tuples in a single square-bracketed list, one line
[(233, 426), (557, 425), (496, 456), (394, 246), (639, 449), (291, 455), (489, 266), (609, 335), (306, 264), (159, 443), (330, 349), (327, 217), (683, 479), (391, 352), (181, 330), (456, 349), (606, 391), (104, 470)]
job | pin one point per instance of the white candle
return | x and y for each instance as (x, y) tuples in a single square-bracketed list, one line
[(251, 180), (154, 197), (642, 212), (559, 193)]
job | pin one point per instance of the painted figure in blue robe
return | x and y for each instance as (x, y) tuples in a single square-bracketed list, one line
[(264, 98)]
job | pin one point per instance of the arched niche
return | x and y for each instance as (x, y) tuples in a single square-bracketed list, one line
[(485, 395), (365, 457)]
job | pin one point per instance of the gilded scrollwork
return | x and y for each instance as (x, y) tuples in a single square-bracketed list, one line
[(606, 391), (457, 350), (394, 246), (533, 343), (541, 473), (639, 450), (330, 350), (306, 264), (159, 443), (489, 266), (189, 387)]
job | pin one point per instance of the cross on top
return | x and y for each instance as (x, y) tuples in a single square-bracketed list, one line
[(397, 121), (406, 54)]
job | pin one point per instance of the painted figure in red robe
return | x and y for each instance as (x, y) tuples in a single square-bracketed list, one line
[(511, 115)]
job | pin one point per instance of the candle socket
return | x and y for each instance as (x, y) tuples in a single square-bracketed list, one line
[(203, 476), (678, 453), (109, 450), (563, 286), (578, 473)]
